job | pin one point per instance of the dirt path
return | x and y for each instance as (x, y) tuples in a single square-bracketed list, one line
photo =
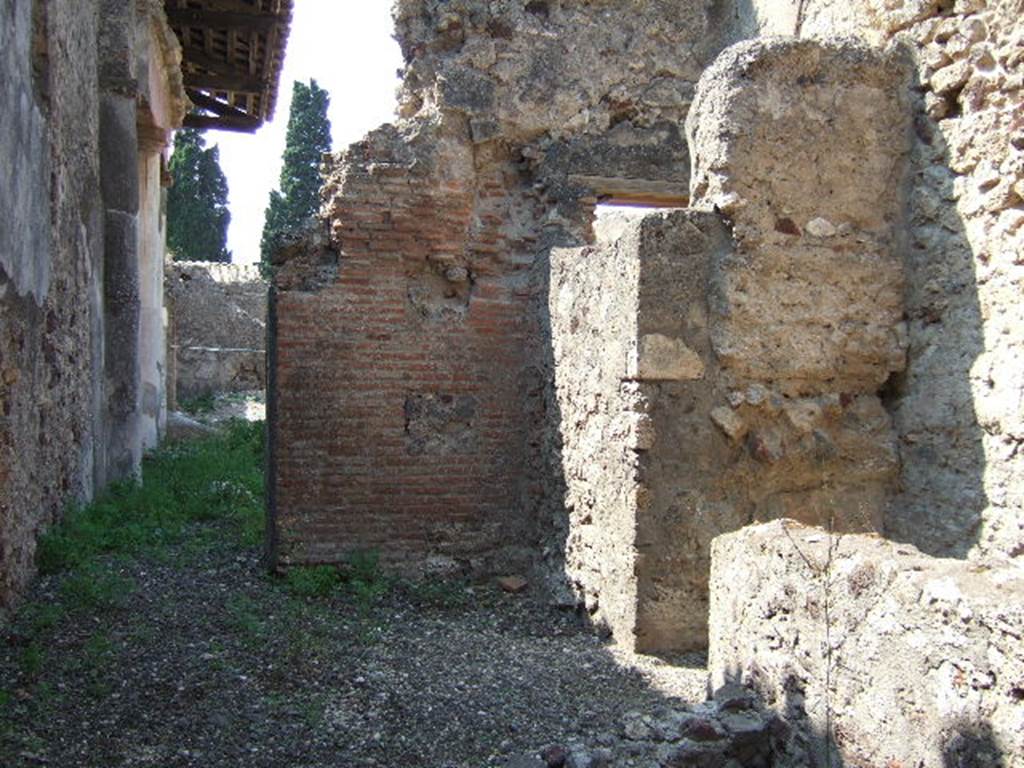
[(208, 661)]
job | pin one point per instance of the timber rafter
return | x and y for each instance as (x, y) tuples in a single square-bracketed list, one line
[(232, 55)]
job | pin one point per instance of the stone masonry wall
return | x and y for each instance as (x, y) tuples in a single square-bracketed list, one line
[(410, 351), (959, 407), (217, 327), (58, 295), (594, 310), (871, 649), (744, 386), (50, 443)]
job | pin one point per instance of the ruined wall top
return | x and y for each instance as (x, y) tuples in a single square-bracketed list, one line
[(583, 94), (558, 66)]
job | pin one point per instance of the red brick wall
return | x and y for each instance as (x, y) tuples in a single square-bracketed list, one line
[(397, 420)]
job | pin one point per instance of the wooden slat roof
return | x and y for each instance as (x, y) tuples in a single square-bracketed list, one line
[(232, 55)]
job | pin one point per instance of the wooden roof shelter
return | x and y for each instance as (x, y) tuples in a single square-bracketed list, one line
[(232, 55)]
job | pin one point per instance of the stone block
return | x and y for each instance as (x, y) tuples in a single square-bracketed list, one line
[(871, 649)]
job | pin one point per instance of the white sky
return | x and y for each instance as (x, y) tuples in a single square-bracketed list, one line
[(346, 45)]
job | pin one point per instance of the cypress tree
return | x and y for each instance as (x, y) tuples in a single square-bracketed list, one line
[(197, 203), (308, 138)]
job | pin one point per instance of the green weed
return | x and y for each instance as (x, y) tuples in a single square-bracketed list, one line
[(243, 615), (40, 618), (364, 565), (313, 581), (219, 478), (32, 660), (93, 589)]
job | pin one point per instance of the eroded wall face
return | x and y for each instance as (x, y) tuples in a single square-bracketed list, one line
[(870, 649), (217, 327), (743, 386), (958, 408), (48, 355), (399, 362), (411, 409), (66, 220), (594, 308)]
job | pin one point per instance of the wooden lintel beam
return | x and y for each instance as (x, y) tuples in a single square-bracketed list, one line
[(202, 19), (209, 103), (236, 83), (225, 123)]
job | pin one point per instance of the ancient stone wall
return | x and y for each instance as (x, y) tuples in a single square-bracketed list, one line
[(57, 295), (410, 350), (217, 327), (958, 407), (844, 324), (398, 362), (594, 310), (715, 368), (871, 649), (49, 442)]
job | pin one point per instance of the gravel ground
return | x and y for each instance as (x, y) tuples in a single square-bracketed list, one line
[(208, 661)]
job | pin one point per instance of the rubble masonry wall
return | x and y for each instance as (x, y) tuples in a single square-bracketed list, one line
[(217, 327)]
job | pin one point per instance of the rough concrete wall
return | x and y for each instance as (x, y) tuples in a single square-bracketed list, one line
[(594, 311), (758, 354), (24, 186), (119, 184), (888, 656), (430, 317), (958, 409), (217, 327), (49, 443), (152, 334), (161, 108)]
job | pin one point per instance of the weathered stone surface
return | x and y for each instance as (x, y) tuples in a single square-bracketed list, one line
[(887, 656), (431, 292), (182, 427), (698, 388), (51, 436), (24, 184), (958, 407), (217, 327), (801, 139), (76, 331)]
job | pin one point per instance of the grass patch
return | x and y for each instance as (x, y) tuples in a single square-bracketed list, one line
[(437, 593), (313, 581), (361, 577), (91, 588), (218, 478), (32, 660), (245, 619)]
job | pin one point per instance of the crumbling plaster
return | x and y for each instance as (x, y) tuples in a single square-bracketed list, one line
[(871, 650)]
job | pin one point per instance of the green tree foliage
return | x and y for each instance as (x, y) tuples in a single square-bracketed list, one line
[(308, 138), (197, 203)]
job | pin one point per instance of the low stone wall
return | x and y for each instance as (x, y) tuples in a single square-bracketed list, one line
[(891, 657), (217, 328)]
